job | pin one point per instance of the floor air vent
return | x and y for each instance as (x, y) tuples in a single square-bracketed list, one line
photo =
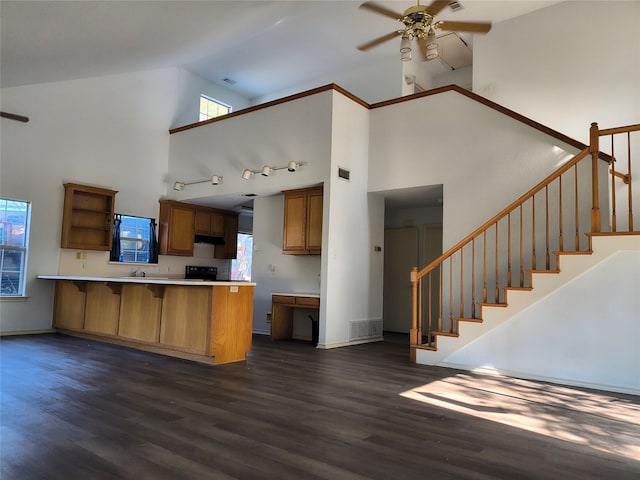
[(365, 329)]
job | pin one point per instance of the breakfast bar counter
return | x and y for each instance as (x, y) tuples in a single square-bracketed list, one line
[(205, 321)]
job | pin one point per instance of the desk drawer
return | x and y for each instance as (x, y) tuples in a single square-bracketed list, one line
[(308, 302), (283, 299)]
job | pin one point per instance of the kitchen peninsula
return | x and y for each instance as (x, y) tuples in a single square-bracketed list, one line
[(205, 321)]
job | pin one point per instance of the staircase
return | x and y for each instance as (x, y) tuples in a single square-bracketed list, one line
[(542, 241)]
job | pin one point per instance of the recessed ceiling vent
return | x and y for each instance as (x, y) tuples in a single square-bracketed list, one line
[(230, 81), (455, 6)]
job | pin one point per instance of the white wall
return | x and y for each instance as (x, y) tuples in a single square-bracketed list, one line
[(191, 86), (372, 82), (272, 136), (588, 332), (353, 224), (470, 149), (110, 132), (582, 67), (271, 270)]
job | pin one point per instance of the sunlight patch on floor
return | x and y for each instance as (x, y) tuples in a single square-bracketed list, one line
[(546, 409)]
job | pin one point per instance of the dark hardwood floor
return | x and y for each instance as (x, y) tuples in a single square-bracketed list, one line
[(78, 409)]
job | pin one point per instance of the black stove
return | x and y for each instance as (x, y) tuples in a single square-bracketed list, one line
[(194, 272)]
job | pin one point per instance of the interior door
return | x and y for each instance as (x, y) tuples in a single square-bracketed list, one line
[(400, 256)]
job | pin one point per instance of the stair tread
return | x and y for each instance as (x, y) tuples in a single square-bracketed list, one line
[(490, 304), (425, 347), (573, 252), (543, 271), (446, 334), (525, 289), (464, 319)]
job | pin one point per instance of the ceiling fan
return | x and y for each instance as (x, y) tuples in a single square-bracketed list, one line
[(420, 24)]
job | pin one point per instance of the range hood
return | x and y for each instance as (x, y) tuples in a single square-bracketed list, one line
[(208, 239)]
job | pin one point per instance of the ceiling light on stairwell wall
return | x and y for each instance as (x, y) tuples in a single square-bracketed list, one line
[(246, 174)]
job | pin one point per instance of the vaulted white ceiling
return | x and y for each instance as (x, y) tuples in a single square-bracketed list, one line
[(264, 46)]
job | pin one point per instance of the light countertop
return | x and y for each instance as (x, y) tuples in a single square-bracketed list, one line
[(147, 280)]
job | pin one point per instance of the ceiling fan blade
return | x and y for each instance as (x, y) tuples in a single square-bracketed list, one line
[(374, 7), (422, 45), (378, 41), (437, 6), (476, 27)]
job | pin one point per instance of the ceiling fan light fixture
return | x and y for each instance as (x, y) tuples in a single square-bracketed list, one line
[(405, 45), (431, 40)]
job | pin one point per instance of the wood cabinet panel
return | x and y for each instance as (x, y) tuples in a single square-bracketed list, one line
[(69, 305), (295, 223), (314, 222), (177, 228), (209, 222), (185, 318), (102, 308), (231, 323), (87, 218), (230, 248), (140, 309), (302, 229)]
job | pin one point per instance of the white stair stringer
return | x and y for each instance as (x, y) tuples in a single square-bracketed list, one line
[(571, 266)]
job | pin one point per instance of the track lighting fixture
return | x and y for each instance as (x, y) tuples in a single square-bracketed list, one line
[(266, 170), (214, 180)]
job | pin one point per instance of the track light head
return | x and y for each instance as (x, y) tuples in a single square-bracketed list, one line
[(292, 166), (178, 186), (246, 174), (216, 179), (266, 171)]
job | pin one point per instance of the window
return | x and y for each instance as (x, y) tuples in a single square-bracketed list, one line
[(210, 108), (134, 240), (241, 265), (14, 241)]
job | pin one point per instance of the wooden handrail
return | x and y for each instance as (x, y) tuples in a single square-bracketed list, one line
[(489, 223), (615, 131)]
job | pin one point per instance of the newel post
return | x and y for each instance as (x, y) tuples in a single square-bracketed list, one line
[(594, 149), (413, 337)]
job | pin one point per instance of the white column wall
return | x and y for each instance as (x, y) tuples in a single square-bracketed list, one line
[(353, 225)]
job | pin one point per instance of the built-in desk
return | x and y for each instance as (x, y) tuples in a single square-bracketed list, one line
[(282, 305)]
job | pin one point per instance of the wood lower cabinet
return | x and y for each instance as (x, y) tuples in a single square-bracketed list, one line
[(185, 318), (211, 324), (102, 308), (87, 219), (140, 308), (177, 228), (302, 232)]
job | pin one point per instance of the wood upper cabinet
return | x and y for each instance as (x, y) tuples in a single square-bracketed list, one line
[(87, 219), (177, 228), (230, 248), (302, 233), (210, 222)]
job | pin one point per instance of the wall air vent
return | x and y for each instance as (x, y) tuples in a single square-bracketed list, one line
[(455, 6), (344, 173), (229, 81)]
